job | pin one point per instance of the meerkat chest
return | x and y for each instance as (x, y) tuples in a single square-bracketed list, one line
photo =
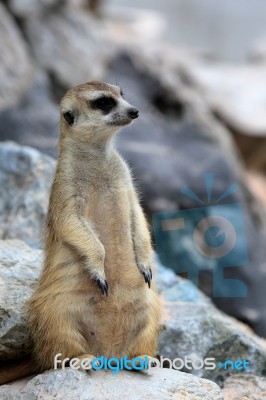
[(107, 197)]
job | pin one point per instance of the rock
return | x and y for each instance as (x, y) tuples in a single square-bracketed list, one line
[(26, 8), (245, 387), (25, 179), (34, 121), (258, 50), (257, 185), (174, 289), (163, 384), (195, 329), (19, 270), (8, 393), (15, 69), (253, 149), (125, 25), (69, 44), (199, 331), (95, 6), (235, 93)]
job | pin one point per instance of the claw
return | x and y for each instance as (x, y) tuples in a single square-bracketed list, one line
[(103, 285), (97, 363), (148, 277)]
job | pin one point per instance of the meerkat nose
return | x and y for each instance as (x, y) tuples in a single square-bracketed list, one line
[(133, 113)]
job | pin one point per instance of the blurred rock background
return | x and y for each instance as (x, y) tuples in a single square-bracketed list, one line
[(197, 72)]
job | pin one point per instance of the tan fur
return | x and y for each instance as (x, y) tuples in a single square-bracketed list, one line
[(95, 230)]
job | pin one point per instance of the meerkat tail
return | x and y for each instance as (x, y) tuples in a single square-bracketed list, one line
[(18, 370)]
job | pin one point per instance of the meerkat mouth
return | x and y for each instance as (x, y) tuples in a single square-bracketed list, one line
[(123, 122)]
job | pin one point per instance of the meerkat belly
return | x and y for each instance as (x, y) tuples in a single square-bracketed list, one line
[(110, 329), (123, 313), (110, 216)]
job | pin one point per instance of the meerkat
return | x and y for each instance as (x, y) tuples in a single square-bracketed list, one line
[(95, 296)]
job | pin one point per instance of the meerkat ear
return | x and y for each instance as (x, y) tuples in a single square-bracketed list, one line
[(69, 117)]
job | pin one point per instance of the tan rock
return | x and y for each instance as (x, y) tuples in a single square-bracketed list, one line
[(245, 387)]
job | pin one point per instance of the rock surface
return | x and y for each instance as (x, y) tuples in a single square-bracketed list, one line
[(26, 8), (257, 184), (235, 93), (66, 38), (15, 68), (194, 328), (245, 387), (174, 289), (19, 270), (162, 384), (35, 120), (25, 176), (199, 331)]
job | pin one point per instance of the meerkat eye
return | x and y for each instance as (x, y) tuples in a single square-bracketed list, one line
[(106, 104), (69, 117)]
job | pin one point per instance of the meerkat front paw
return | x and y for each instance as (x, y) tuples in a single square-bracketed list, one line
[(145, 270), (96, 267), (99, 278), (103, 285)]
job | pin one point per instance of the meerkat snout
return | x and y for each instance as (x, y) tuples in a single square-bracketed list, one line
[(133, 113), (96, 108)]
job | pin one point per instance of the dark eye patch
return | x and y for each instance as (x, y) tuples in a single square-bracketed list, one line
[(104, 103)]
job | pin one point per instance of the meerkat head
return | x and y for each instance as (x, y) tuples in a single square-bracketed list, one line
[(95, 111)]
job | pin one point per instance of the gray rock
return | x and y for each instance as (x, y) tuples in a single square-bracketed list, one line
[(25, 179), (34, 121), (26, 8), (245, 387), (163, 384), (67, 43), (198, 330), (235, 93), (8, 393), (258, 50), (174, 288), (19, 270), (15, 69)]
